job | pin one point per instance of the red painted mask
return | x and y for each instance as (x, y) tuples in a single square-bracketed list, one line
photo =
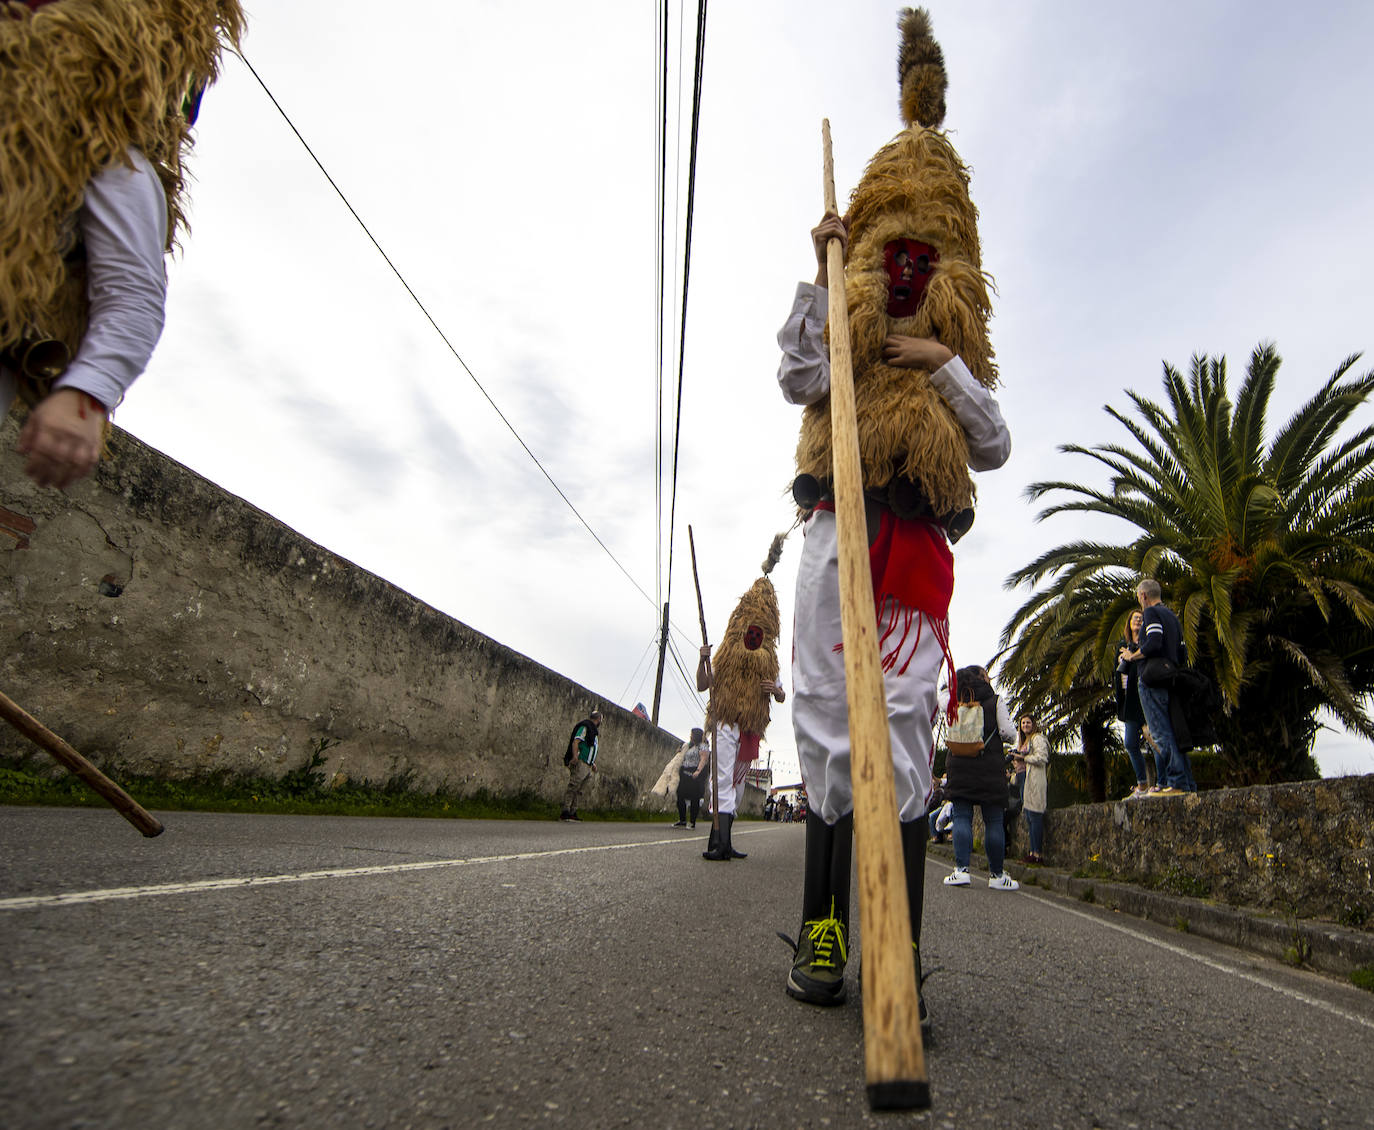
[(909, 267), (753, 638)]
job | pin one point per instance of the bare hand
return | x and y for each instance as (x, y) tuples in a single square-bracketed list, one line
[(915, 352), (62, 438), (830, 227)]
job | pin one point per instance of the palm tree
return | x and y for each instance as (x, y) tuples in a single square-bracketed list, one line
[(1266, 553)]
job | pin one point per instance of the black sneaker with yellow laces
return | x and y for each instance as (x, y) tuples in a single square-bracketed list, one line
[(817, 974)]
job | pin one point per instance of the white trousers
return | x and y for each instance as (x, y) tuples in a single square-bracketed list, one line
[(727, 751), (820, 712)]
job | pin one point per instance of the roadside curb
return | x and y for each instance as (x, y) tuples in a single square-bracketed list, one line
[(1323, 946)]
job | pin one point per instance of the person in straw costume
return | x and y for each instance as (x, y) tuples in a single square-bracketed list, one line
[(743, 681), (97, 98), (923, 370)]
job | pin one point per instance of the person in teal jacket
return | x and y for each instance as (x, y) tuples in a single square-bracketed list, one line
[(581, 762)]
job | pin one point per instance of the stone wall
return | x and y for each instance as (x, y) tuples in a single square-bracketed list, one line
[(1304, 849), (163, 625)]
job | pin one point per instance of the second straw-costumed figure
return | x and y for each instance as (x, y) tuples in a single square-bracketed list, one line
[(743, 681), (923, 370)]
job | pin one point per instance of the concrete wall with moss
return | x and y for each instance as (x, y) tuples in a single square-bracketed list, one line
[(163, 625), (1304, 849)]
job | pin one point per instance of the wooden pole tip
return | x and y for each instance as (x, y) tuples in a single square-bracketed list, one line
[(913, 1094)]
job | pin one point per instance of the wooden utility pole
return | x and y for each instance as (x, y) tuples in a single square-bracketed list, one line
[(662, 653)]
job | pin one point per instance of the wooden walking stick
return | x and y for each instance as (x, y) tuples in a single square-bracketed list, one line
[(41, 736), (701, 615), (893, 1056)]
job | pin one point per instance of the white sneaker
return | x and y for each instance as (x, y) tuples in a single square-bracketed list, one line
[(958, 879), (1002, 882)]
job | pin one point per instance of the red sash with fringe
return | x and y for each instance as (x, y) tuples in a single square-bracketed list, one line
[(913, 578)]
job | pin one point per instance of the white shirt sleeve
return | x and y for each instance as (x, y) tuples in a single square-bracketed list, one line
[(804, 373), (123, 223), (804, 376), (989, 441)]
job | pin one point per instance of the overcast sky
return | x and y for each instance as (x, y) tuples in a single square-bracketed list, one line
[(1153, 182)]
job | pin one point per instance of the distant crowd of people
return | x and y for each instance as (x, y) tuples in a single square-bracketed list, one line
[(784, 810)]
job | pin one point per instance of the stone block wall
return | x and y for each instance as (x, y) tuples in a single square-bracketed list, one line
[(163, 625), (1304, 849)]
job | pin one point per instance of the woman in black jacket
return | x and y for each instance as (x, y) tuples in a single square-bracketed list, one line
[(979, 779), (1128, 708)]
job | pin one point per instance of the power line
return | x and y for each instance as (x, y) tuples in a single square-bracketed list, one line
[(698, 67), (688, 680), (648, 650), (660, 263), (443, 336)]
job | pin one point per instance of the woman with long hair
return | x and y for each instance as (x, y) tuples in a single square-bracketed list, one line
[(1128, 708), (979, 778), (691, 785), (1032, 754)]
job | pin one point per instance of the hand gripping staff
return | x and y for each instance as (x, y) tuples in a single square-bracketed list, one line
[(701, 615), (40, 735), (894, 1059)]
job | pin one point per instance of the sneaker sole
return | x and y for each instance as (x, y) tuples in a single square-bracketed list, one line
[(817, 996)]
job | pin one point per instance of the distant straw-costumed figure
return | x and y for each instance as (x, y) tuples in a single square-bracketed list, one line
[(923, 370), (743, 682), (96, 102)]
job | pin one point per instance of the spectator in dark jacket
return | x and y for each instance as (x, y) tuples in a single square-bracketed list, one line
[(979, 779), (1161, 642), (1015, 783), (1128, 708)]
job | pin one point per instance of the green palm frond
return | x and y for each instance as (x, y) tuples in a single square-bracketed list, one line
[(1266, 552)]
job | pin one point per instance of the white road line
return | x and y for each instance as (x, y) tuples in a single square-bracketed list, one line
[(76, 898), (1211, 963)]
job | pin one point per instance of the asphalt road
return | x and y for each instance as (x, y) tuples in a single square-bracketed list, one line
[(330, 972)]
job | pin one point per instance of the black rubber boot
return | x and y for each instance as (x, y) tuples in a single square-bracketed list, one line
[(730, 847), (817, 975), (718, 846), (914, 838)]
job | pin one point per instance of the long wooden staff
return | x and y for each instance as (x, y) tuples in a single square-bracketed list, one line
[(894, 1058), (701, 615), (40, 735)]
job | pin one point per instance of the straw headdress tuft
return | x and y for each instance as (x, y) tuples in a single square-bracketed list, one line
[(921, 71), (774, 553)]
